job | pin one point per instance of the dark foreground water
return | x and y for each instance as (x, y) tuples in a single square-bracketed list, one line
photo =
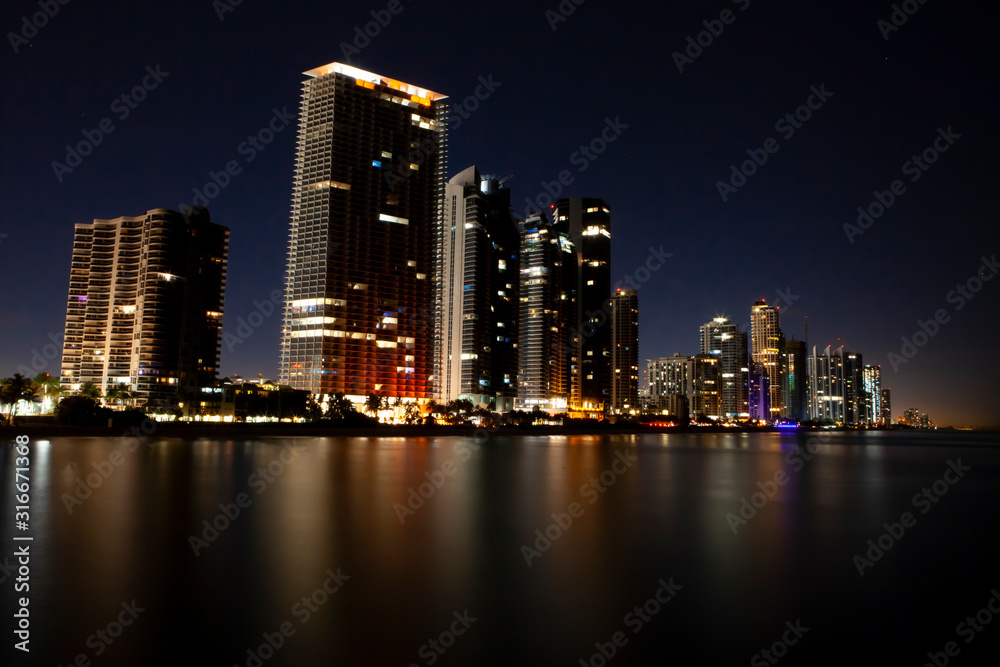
[(333, 560)]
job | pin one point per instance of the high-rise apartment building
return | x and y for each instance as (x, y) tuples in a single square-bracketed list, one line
[(588, 223), (145, 304), (723, 339), (696, 378), (795, 380), (759, 392), (548, 265), (768, 350), (886, 413), (872, 386), (827, 385), (480, 286), (363, 284), (854, 391), (624, 324)]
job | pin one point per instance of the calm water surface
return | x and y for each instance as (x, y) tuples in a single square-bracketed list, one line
[(467, 570)]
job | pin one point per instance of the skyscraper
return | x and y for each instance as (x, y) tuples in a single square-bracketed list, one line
[(480, 286), (145, 304), (872, 384), (694, 378), (886, 414), (548, 306), (365, 238), (795, 380), (624, 320), (723, 339), (826, 385), (854, 393), (768, 349), (588, 223)]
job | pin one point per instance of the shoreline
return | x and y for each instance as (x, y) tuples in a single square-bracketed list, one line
[(193, 430)]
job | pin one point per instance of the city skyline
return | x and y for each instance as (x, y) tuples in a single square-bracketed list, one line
[(793, 196)]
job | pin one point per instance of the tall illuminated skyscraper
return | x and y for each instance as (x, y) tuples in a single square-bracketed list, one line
[(795, 380), (588, 223), (365, 237), (872, 380), (145, 305), (548, 306), (723, 339), (624, 321), (768, 343), (480, 286)]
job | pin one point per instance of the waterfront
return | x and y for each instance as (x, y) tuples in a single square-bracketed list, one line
[(397, 542)]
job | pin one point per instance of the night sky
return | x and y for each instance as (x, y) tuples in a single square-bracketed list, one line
[(554, 91)]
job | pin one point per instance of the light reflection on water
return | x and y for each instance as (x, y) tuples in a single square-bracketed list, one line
[(339, 503)]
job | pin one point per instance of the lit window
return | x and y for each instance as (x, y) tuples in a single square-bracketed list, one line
[(387, 154), (391, 218), (376, 163)]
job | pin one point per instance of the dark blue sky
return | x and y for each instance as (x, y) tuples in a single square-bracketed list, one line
[(781, 230)]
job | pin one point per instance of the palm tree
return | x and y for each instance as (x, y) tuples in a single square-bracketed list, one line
[(375, 403), (411, 412), (121, 394), (90, 390), (47, 387), (13, 389)]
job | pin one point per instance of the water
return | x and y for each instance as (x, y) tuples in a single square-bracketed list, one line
[(455, 570)]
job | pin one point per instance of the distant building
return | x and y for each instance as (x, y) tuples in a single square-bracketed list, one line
[(872, 414), (826, 385), (145, 305), (768, 350), (795, 380), (546, 348), (723, 339), (588, 223), (365, 237), (854, 393), (913, 417), (237, 401), (886, 411), (759, 392), (696, 378), (480, 285), (624, 321)]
